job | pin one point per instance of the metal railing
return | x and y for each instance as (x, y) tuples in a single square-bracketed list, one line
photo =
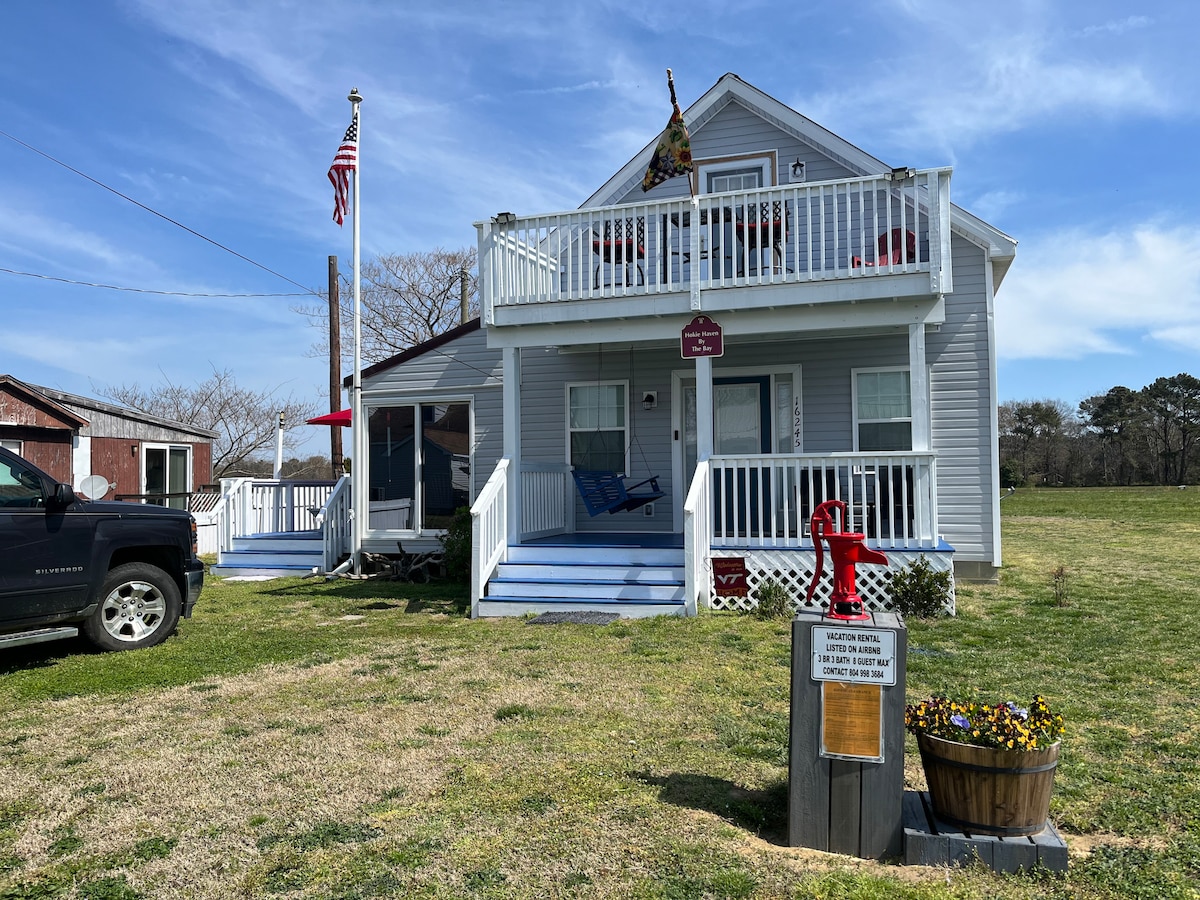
[(846, 228)]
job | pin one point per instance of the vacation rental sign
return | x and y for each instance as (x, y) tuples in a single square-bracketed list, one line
[(703, 337), (854, 655)]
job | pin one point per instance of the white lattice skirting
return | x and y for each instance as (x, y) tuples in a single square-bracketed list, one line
[(793, 569)]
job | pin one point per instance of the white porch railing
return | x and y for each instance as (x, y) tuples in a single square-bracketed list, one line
[(334, 522), (697, 539), (489, 531), (265, 506), (849, 228), (768, 500), (547, 493)]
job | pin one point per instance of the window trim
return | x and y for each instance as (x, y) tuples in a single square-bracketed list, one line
[(767, 160), (12, 445), (167, 447), (868, 370), (623, 384)]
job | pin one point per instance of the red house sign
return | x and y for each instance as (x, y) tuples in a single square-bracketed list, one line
[(702, 337)]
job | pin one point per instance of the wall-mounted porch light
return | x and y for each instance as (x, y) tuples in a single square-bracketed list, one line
[(649, 399), (797, 170)]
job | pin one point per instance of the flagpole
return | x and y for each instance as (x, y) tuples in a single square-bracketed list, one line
[(359, 475)]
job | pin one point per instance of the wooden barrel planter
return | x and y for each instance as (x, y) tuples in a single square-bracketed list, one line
[(987, 790)]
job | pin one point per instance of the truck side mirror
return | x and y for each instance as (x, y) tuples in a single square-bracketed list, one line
[(64, 495)]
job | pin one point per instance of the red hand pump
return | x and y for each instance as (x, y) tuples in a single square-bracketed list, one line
[(846, 548)]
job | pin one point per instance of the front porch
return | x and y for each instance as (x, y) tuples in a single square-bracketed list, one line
[(757, 508)]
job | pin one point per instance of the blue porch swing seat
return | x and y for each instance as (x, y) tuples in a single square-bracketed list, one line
[(608, 492)]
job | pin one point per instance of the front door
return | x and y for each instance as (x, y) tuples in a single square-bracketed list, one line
[(741, 422)]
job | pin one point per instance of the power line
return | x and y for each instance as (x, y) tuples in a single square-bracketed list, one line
[(148, 209), (115, 287)]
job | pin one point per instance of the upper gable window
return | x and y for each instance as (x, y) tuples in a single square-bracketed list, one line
[(747, 172)]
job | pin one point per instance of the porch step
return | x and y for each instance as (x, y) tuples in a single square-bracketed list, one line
[(630, 580), (495, 605), (271, 555)]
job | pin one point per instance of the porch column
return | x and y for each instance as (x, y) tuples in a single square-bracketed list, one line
[(704, 408), (919, 379), (512, 436)]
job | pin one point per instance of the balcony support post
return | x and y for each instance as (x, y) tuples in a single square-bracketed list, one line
[(704, 408), (512, 435)]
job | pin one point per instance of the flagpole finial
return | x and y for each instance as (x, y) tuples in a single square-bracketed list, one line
[(671, 85), (355, 96)]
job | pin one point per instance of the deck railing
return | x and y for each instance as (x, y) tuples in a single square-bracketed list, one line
[(266, 506), (334, 521), (768, 500), (848, 228), (546, 499), (489, 531)]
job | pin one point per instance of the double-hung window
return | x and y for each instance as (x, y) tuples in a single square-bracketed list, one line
[(882, 410), (598, 426)]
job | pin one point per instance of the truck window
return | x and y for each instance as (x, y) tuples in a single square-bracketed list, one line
[(19, 487)]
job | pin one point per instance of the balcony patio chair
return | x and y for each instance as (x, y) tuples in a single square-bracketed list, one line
[(760, 226), (623, 244), (892, 254)]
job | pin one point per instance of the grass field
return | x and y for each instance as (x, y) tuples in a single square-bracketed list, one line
[(356, 739)]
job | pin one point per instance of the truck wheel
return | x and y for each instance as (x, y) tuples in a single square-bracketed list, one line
[(138, 607)]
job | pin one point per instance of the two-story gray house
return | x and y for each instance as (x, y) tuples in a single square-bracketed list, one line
[(798, 322)]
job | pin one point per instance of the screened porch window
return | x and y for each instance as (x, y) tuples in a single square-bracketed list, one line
[(883, 410), (597, 424)]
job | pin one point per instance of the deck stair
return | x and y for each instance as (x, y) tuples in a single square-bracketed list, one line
[(630, 580), (272, 555)]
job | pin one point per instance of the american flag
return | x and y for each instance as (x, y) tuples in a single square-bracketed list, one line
[(345, 161)]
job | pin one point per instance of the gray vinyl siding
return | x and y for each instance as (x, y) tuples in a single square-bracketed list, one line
[(462, 367), (735, 131), (960, 390)]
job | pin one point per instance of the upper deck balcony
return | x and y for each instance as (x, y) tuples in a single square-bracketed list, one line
[(853, 239)]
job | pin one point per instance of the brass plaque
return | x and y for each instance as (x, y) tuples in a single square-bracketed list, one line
[(852, 720)]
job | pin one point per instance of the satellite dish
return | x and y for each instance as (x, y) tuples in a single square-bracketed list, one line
[(94, 487)]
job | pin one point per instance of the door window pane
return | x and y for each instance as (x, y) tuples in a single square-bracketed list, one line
[(445, 463), (391, 466), (178, 470)]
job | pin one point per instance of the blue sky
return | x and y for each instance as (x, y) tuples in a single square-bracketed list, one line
[(1072, 126)]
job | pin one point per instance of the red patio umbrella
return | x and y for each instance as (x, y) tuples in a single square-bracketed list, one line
[(341, 417)]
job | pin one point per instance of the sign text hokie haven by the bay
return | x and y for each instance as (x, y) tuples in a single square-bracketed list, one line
[(856, 655), (702, 337)]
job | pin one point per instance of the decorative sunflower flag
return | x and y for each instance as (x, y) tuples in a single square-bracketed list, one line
[(674, 154)]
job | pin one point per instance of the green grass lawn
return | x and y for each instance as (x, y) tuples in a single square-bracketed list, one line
[(357, 739)]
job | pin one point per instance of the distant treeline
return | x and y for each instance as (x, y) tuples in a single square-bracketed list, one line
[(1121, 437)]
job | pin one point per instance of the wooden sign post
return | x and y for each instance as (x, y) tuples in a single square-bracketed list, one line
[(846, 760)]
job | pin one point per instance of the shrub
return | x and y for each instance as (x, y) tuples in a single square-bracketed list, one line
[(917, 591), (456, 544), (773, 601)]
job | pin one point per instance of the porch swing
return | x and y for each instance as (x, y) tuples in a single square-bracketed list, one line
[(609, 491)]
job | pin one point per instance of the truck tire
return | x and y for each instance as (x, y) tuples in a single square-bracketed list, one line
[(138, 606)]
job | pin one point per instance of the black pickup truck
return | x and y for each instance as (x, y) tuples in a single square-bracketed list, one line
[(123, 572)]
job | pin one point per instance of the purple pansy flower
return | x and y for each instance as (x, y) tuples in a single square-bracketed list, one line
[(1021, 714), (961, 721)]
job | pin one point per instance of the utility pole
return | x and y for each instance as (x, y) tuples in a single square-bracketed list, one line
[(464, 296), (335, 367)]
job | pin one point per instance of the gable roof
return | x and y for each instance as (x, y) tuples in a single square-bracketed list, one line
[(732, 89), (417, 350), (35, 397), (75, 406)]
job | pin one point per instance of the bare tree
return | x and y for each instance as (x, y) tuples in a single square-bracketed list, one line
[(407, 298), (245, 420)]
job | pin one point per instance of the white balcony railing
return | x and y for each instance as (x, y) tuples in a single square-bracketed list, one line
[(850, 228), (266, 506), (768, 500)]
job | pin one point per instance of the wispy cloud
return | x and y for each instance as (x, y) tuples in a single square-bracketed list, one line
[(1118, 26), (1074, 294)]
